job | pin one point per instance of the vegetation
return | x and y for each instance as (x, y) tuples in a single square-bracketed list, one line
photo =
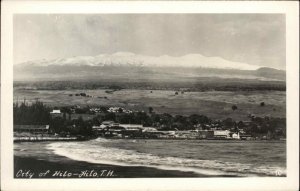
[(234, 107), (34, 114), (150, 109), (63, 126), (39, 114), (203, 84), (272, 127)]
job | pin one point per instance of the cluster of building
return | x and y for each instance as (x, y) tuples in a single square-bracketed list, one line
[(118, 110), (110, 110), (111, 129), (94, 110)]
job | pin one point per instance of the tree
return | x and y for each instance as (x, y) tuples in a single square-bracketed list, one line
[(240, 124), (65, 110), (82, 127), (120, 110), (35, 114), (234, 107), (228, 123), (57, 124), (150, 109), (104, 109), (109, 117), (126, 118), (96, 121), (141, 118), (196, 119), (166, 120), (155, 119)]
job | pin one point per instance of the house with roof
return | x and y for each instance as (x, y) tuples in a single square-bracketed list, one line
[(56, 113)]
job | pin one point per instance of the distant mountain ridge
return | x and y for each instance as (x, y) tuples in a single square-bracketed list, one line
[(130, 65), (127, 58)]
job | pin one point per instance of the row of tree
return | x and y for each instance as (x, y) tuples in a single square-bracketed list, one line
[(39, 114), (205, 84), (31, 114)]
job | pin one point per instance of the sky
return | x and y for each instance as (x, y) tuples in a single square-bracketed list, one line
[(257, 39)]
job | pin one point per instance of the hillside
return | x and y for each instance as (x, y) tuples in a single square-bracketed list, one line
[(132, 66)]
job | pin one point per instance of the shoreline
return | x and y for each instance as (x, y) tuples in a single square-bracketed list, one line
[(36, 159), (35, 164), (67, 139)]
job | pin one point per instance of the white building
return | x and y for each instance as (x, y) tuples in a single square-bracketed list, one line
[(131, 126), (236, 136), (149, 129), (55, 111), (221, 134), (107, 123)]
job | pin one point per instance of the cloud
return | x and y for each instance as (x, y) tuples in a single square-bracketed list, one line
[(257, 39)]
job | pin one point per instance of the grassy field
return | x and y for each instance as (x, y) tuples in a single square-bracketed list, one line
[(214, 104)]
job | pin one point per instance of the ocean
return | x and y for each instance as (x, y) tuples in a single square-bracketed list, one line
[(208, 157)]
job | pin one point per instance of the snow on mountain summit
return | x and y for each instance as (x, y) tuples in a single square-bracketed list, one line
[(131, 59), (123, 54)]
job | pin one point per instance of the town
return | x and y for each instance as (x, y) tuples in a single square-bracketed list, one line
[(110, 129), (37, 122)]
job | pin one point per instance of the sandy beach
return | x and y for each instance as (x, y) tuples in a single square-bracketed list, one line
[(102, 158), (32, 159), (77, 168)]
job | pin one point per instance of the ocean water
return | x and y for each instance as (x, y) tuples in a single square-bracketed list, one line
[(236, 158)]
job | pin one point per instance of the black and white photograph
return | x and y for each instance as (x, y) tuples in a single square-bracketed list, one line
[(149, 95)]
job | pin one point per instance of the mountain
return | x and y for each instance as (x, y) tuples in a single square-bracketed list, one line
[(131, 59), (126, 65), (271, 73)]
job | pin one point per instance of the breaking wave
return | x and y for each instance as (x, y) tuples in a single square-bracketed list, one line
[(94, 152)]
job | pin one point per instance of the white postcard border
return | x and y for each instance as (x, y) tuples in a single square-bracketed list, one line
[(292, 54)]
